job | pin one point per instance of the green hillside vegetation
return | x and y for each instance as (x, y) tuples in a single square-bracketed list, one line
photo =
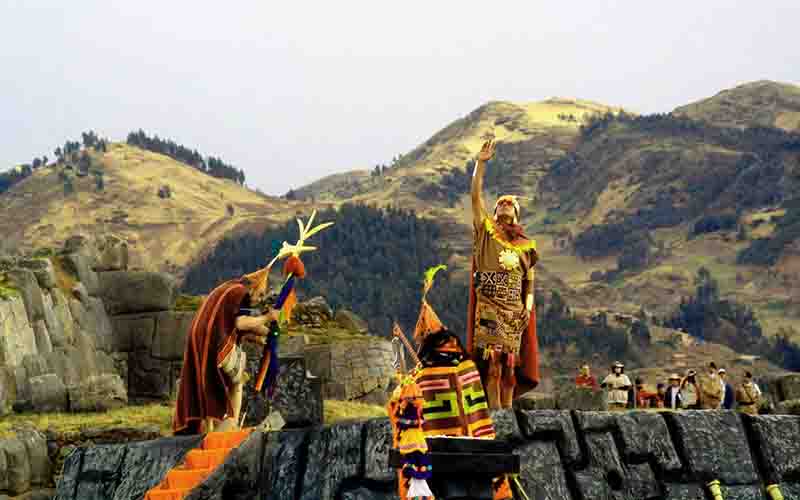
[(767, 251)]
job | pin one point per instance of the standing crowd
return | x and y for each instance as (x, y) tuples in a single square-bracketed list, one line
[(692, 392)]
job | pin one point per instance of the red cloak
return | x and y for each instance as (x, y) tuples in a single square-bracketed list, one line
[(204, 389), (527, 373)]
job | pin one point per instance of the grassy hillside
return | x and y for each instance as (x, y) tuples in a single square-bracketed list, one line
[(764, 103), (163, 233)]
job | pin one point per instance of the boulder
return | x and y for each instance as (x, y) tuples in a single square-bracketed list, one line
[(98, 393), (149, 377), (79, 244), (18, 469), (350, 321), (131, 292), (334, 454), (48, 393), (43, 270), (172, 329), (376, 450), (112, 254), (55, 328), (83, 355), (17, 338), (91, 317)]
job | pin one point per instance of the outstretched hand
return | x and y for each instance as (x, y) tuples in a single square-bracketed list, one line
[(487, 151)]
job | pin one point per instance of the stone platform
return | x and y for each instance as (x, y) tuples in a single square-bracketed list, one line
[(564, 455)]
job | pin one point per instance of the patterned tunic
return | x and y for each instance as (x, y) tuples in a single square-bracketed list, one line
[(501, 286)]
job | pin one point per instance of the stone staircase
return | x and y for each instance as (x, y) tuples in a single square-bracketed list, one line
[(198, 464)]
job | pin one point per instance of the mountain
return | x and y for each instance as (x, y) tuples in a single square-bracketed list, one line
[(762, 103), (165, 232), (606, 186)]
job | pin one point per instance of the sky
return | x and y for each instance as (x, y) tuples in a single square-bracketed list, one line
[(294, 91)]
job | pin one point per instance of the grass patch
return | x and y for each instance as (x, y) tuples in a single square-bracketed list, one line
[(188, 303), (130, 416), (338, 411), (7, 289)]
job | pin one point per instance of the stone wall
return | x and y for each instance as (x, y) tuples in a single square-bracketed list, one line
[(565, 455), (54, 343), (357, 370)]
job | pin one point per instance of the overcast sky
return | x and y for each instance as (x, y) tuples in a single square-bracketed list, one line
[(293, 91)]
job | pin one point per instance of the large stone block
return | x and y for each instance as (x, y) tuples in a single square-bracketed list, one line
[(25, 281), (318, 361), (48, 393), (535, 400), (172, 330), (148, 377), (59, 362), (122, 472), (8, 390), (36, 448), (788, 407), (43, 270), (505, 425), (284, 460), (645, 437), (17, 338), (790, 386), (541, 472), (18, 469), (137, 291), (112, 254), (334, 454), (63, 317), (80, 265), (777, 445), (43, 344), (376, 452), (133, 332), (98, 393), (579, 398), (714, 446), (554, 425)]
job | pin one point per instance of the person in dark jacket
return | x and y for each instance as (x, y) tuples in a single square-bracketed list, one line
[(672, 396), (728, 397)]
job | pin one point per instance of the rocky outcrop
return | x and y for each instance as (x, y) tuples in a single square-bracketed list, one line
[(24, 462), (564, 455)]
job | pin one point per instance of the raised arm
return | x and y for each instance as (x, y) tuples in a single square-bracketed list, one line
[(478, 209)]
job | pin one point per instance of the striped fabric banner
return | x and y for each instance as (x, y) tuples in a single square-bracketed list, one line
[(455, 403)]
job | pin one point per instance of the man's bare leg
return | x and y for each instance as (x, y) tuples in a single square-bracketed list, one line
[(208, 425), (236, 401), (493, 383)]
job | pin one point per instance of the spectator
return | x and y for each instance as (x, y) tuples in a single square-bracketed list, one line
[(586, 379), (661, 395), (727, 390), (672, 397), (618, 385), (690, 391), (748, 396), (712, 389)]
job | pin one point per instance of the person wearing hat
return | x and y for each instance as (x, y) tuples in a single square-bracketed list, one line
[(713, 390), (748, 396), (672, 396), (585, 379), (501, 320), (618, 385), (690, 391)]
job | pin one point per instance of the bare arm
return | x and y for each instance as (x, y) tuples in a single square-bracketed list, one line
[(256, 323), (478, 208)]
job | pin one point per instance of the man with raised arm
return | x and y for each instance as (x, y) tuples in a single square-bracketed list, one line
[(501, 325)]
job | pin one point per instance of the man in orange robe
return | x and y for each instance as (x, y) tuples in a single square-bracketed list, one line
[(501, 323), (213, 372)]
